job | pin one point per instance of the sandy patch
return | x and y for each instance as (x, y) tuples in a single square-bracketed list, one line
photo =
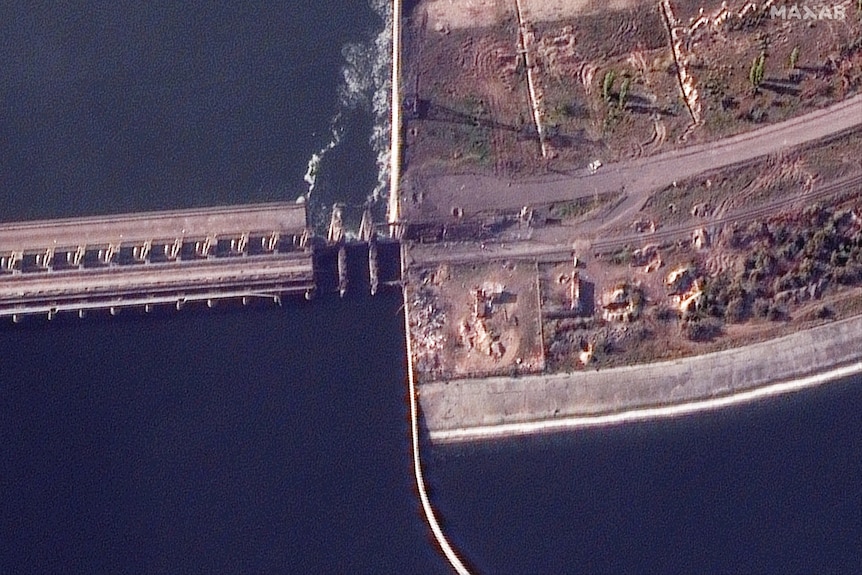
[(455, 14), (553, 10)]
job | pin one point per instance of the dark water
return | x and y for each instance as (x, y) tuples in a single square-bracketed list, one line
[(245, 441), (773, 487), (276, 439), (227, 441), (113, 106)]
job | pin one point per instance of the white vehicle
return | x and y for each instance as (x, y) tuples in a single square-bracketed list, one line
[(594, 166)]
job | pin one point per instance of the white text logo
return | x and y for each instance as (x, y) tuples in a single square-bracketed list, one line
[(804, 12)]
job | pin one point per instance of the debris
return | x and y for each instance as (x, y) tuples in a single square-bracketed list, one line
[(622, 303), (700, 210), (700, 239)]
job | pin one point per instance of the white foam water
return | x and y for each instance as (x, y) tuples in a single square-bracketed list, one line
[(313, 169), (381, 97), (365, 84)]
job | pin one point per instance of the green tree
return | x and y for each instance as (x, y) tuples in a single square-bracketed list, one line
[(624, 91), (608, 84), (758, 68), (794, 57), (761, 67)]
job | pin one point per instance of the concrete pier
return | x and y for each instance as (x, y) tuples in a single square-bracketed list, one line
[(451, 555), (394, 215), (343, 279)]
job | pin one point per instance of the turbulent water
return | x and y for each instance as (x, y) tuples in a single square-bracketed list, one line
[(266, 439), (364, 89)]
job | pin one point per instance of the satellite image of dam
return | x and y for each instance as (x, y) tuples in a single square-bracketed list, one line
[(431, 286)]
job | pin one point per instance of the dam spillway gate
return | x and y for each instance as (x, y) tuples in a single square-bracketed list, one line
[(151, 259)]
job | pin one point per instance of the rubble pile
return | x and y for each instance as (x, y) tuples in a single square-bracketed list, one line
[(647, 257), (473, 332), (426, 327), (622, 303)]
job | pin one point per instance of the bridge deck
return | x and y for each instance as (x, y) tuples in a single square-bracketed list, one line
[(284, 218), (130, 285)]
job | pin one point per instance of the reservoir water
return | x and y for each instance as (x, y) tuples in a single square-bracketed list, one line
[(275, 440)]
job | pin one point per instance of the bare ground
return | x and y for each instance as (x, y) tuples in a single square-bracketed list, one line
[(463, 57)]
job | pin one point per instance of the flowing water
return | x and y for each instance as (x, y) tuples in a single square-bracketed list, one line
[(272, 439)]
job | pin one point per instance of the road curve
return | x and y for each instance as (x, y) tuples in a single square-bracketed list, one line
[(481, 193)]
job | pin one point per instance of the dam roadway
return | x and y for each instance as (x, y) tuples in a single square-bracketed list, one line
[(144, 259)]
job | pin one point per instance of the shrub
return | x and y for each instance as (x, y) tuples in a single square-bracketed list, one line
[(761, 307), (794, 57), (736, 310), (664, 313), (608, 84), (702, 329), (624, 92), (825, 312), (776, 312)]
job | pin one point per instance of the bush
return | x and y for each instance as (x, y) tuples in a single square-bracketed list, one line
[(736, 310), (663, 313), (608, 84), (825, 312), (702, 330), (622, 256), (756, 115), (776, 312), (849, 275), (761, 308)]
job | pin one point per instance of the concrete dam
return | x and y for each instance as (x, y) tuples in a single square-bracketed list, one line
[(144, 260)]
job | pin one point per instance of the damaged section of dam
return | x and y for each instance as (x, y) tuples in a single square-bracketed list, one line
[(172, 258)]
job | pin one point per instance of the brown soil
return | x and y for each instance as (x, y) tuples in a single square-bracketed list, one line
[(768, 180), (449, 343), (658, 334), (462, 55)]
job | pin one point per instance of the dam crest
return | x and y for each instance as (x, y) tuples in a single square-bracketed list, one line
[(150, 259)]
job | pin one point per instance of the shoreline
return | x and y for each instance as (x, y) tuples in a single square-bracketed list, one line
[(415, 433), (507, 431), (504, 407)]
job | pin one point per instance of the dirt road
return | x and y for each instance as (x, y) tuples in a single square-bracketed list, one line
[(638, 178)]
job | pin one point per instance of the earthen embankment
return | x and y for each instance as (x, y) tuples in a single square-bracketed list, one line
[(465, 410)]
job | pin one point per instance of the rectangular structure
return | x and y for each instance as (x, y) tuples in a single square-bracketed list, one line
[(283, 218), (154, 258)]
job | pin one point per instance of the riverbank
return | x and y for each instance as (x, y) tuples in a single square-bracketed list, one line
[(477, 409)]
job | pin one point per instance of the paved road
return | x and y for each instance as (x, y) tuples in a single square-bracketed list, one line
[(28, 289), (476, 194), (282, 217), (558, 243)]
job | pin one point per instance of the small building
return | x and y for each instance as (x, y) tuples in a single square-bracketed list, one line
[(575, 292)]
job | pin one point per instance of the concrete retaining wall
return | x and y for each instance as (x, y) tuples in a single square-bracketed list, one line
[(452, 409)]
